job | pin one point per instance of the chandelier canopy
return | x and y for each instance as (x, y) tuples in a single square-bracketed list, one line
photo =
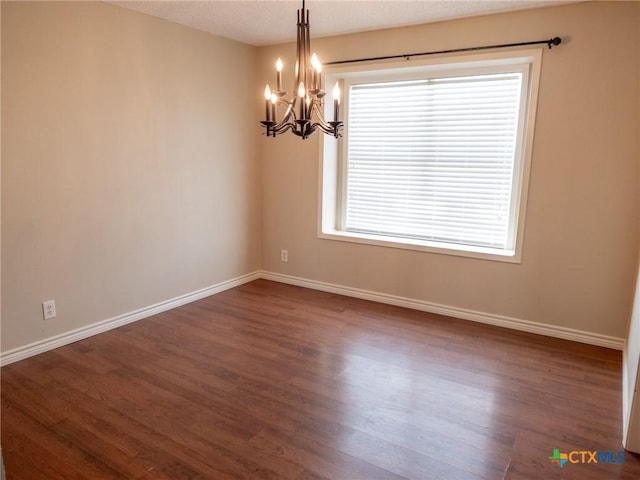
[(303, 115)]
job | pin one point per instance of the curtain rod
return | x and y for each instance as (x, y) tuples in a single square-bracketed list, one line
[(550, 43)]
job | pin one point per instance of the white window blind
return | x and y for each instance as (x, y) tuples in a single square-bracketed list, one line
[(434, 159)]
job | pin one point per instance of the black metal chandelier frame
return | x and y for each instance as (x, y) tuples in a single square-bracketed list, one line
[(304, 113)]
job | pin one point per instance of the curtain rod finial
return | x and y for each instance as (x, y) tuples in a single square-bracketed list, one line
[(555, 41)]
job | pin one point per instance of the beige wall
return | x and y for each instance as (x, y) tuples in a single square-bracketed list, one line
[(581, 238), (129, 171)]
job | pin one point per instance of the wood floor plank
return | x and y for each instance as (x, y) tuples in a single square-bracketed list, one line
[(46, 451), (270, 381), (320, 460)]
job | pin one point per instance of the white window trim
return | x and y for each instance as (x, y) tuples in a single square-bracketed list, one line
[(330, 174)]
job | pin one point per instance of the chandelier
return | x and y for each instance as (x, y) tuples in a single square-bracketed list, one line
[(303, 115)]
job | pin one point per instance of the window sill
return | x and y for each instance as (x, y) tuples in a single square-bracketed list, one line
[(481, 253)]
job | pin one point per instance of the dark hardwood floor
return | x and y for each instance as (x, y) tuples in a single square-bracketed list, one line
[(269, 381)]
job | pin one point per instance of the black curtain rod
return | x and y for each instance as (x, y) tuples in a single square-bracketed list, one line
[(550, 43)]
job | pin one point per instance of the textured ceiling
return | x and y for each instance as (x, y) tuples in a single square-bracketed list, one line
[(266, 22)]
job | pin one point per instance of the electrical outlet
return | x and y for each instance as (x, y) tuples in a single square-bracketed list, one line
[(284, 255), (49, 309)]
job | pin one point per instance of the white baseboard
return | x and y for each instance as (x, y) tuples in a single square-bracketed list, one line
[(464, 314), (66, 338)]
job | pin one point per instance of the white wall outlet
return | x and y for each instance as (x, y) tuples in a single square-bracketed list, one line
[(284, 255), (49, 309)]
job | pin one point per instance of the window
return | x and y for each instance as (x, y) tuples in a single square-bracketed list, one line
[(434, 157)]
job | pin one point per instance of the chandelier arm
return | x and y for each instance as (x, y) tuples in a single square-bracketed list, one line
[(315, 108), (290, 115), (318, 113), (332, 128), (283, 128), (280, 129)]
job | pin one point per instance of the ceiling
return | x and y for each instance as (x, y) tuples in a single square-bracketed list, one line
[(267, 22)]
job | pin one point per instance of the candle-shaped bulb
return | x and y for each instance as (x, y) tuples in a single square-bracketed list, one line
[(336, 102), (274, 98), (267, 93), (336, 92), (315, 75), (279, 75), (315, 63), (301, 90)]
